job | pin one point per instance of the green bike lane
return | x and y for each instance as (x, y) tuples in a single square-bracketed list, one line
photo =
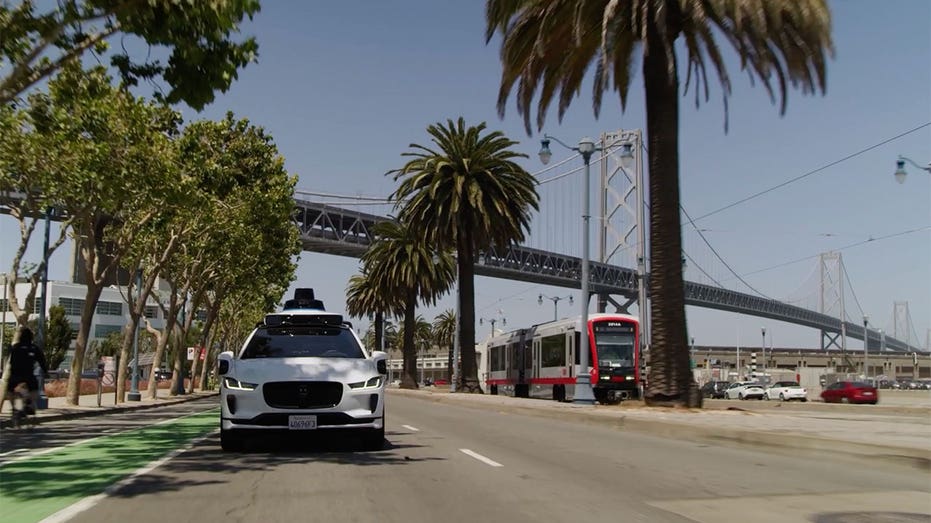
[(35, 487)]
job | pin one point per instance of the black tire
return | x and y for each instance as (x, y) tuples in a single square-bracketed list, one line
[(230, 441), (740, 397), (494, 390)]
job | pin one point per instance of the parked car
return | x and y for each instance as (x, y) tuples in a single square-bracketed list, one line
[(744, 390), (850, 392), (786, 391), (162, 375), (714, 389)]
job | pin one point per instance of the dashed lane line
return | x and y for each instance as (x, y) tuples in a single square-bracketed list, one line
[(481, 458), (412, 429)]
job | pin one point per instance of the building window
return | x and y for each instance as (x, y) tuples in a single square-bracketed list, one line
[(102, 331), (110, 308), (4, 305), (151, 312), (72, 306), (37, 305)]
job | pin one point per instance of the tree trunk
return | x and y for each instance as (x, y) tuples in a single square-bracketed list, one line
[(466, 260), (670, 379), (91, 296), (379, 331), (408, 349)]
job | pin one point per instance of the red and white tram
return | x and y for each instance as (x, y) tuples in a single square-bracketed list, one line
[(543, 361)]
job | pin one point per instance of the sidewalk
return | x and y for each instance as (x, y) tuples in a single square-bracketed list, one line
[(860, 430), (58, 408)]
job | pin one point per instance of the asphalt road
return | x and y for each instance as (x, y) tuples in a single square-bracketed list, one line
[(442, 462)]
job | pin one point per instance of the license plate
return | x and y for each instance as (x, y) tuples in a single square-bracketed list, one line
[(302, 422)]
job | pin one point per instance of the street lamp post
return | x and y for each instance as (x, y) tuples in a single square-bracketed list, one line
[(134, 394), (583, 388), (763, 330), (555, 300), (493, 321), (900, 173), (866, 347), (5, 306)]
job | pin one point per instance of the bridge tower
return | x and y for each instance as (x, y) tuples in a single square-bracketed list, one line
[(901, 322), (831, 302), (621, 230)]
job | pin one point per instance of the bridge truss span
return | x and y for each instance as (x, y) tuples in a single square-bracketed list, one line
[(345, 232)]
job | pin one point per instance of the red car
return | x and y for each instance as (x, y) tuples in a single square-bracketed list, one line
[(850, 392)]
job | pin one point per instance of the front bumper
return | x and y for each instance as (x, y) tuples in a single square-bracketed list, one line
[(357, 409)]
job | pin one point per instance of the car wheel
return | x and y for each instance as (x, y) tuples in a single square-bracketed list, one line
[(230, 441), (740, 396), (844, 400), (782, 397), (804, 400)]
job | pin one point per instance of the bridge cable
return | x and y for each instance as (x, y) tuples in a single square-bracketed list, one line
[(845, 247), (814, 171)]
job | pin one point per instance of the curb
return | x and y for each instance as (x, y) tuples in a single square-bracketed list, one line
[(796, 443), (100, 411)]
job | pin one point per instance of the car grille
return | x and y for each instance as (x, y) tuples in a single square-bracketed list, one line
[(302, 394)]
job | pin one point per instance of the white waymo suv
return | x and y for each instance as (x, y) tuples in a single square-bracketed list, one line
[(302, 369)]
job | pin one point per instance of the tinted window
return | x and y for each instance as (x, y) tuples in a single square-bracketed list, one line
[(861, 385), (303, 342), (614, 343)]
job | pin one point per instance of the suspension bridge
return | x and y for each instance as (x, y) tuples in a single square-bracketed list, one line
[(334, 224)]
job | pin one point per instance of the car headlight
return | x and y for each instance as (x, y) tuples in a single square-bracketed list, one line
[(372, 383), (234, 384)]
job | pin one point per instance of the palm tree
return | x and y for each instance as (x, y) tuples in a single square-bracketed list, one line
[(400, 263), (363, 299), (466, 194), (548, 46), (444, 329)]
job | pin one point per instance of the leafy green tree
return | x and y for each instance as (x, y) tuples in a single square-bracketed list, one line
[(112, 165), (466, 193), (108, 346), (203, 57), (402, 264), (547, 48), (444, 330), (58, 336)]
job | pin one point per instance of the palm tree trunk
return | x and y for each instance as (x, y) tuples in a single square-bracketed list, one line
[(670, 378), (466, 267), (379, 330), (408, 349)]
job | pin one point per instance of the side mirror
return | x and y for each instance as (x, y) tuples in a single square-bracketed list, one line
[(224, 360), (381, 361)]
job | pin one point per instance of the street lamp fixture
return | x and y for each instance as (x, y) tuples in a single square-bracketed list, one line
[(493, 321), (583, 388), (900, 172), (555, 300)]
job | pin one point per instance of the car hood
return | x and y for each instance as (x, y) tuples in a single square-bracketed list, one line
[(262, 370)]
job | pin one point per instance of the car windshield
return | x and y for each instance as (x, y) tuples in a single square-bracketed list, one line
[(786, 384), (303, 342)]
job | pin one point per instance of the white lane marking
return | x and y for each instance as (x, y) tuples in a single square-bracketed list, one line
[(74, 509), (412, 429), (13, 452), (88, 440), (481, 458)]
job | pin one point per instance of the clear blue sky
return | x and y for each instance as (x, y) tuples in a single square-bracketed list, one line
[(344, 88)]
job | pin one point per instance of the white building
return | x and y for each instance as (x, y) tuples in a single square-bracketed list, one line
[(110, 315)]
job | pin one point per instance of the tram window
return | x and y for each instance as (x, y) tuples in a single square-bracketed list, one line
[(553, 351), (578, 344), (497, 358)]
